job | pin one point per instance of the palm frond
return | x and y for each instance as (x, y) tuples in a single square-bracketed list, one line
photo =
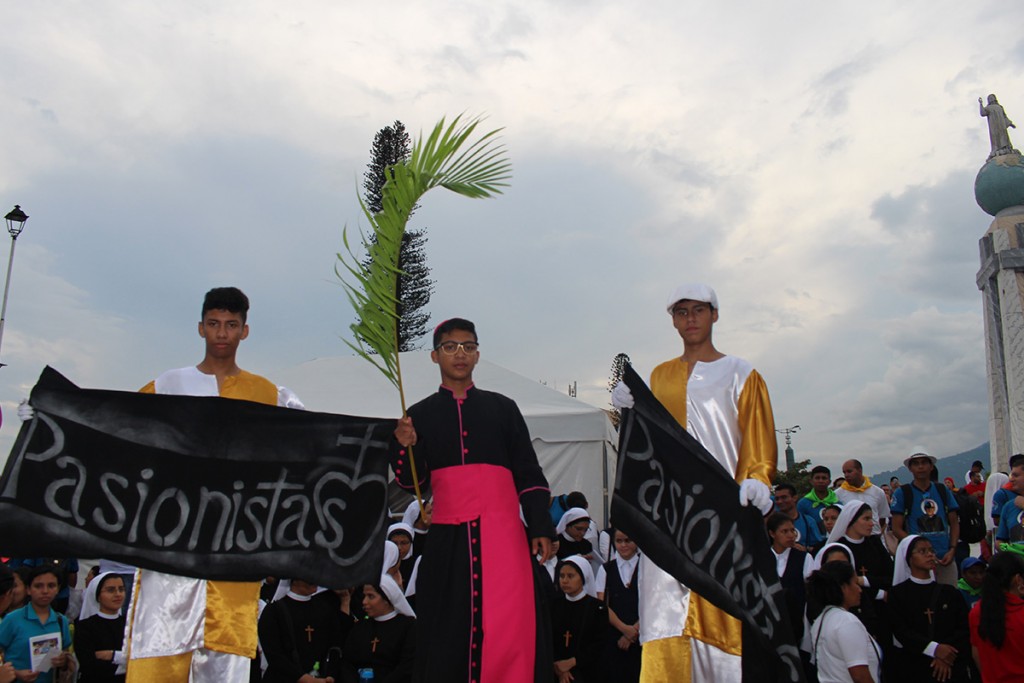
[(445, 158)]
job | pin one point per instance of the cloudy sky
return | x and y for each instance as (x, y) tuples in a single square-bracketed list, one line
[(812, 161)]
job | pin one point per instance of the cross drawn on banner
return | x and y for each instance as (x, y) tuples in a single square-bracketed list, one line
[(479, 170)]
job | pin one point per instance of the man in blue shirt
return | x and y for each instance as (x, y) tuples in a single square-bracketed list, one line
[(35, 619), (808, 534), (930, 511), (1005, 494), (1011, 517)]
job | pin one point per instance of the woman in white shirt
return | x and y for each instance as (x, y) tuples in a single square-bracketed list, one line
[(840, 645)]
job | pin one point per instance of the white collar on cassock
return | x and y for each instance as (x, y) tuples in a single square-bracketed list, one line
[(387, 617), (299, 598)]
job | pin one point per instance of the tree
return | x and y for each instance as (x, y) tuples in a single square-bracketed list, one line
[(391, 146), (798, 477)]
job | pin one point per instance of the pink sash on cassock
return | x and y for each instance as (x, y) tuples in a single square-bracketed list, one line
[(486, 495)]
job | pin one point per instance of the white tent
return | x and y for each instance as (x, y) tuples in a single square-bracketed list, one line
[(575, 442)]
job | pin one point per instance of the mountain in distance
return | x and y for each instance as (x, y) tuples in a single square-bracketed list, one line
[(954, 466)]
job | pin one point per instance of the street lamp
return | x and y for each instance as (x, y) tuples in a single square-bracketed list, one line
[(15, 224), (790, 455)]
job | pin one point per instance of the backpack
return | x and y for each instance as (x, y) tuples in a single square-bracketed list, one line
[(970, 513), (972, 519)]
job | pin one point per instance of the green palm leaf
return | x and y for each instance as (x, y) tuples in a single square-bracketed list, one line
[(445, 158)]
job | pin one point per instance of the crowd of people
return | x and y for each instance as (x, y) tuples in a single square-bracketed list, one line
[(866, 593), (846, 569), (881, 583), (905, 582)]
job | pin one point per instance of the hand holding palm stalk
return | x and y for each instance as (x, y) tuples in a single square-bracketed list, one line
[(481, 169)]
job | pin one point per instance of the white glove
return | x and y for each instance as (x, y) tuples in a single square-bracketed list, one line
[(753, 492), (25, 411), (286, 398), (622, 397)]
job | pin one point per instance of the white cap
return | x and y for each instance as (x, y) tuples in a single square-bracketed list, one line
[(694, 291), (918, 452)]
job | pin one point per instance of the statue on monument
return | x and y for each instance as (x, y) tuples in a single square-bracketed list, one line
[(998, 127)]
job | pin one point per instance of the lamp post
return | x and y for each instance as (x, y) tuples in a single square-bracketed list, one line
[(790, 455), (15, 224)]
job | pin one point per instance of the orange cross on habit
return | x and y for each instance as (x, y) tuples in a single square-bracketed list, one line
[(568, 636), (309, 633), (374, 643)]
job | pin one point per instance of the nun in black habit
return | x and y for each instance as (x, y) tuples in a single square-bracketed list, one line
[(579, 622), (383, 642), (99, 631), (929, 619)]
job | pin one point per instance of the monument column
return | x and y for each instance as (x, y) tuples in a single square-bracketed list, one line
[(999, 191)]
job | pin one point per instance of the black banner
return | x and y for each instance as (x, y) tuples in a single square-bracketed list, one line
[(682, 509), (205, 487)]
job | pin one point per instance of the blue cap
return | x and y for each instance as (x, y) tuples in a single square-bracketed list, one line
[(970, 562)]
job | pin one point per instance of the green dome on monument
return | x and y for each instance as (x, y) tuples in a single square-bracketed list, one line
[(1000, 183)]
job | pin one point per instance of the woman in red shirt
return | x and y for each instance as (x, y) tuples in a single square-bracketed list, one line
[(997, 621)]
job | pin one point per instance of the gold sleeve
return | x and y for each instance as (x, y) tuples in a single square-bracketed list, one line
[(758, 449)]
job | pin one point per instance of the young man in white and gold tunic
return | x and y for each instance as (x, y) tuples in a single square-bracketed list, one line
[(180, 629), (723, 403)]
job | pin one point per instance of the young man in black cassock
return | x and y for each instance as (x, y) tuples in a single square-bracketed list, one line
[(478, 616)]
